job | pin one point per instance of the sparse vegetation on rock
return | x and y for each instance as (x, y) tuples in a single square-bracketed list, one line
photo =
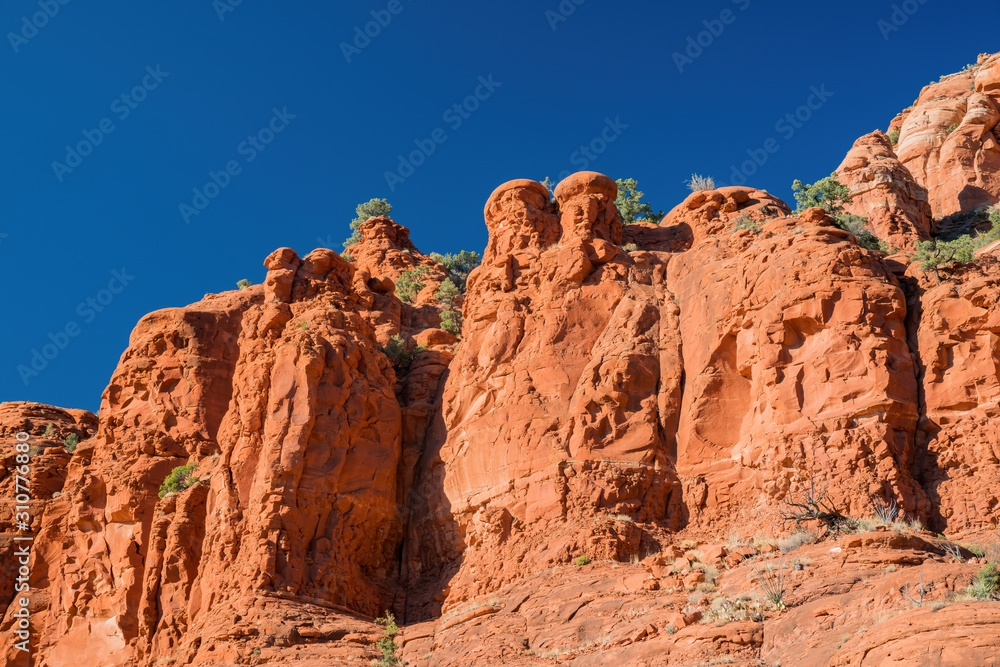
[(451, 317), (459, 266), (71, 441), (697, 183), (243, 284), (631, 208), (410, 283), (400, 353), (372, 208), (387, 642), (179, 479)]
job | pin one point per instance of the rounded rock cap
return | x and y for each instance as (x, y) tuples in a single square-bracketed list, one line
[(586, 181), (514, 185)]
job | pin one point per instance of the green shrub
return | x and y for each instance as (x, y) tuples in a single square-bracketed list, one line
[(451, 317), (400, 354), (71, 441), (387, 643), (303, 325), (952, 128), (630, 205), (179, 479), (409, 284), (459, 266), (858, 225), (630, 247), (49, 430), (894, 137), (937, 254), (746, 222), (986, 585), (373, 208), (827, 193), (581, 560), (451, 321), (243, 284), (347, 256)]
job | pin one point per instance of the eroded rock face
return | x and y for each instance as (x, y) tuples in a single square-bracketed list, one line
[(958, 337), (47, 462), (617, 393), (960, 166), (884, 191), (554, 412), (283, 397), (693, 384), (796, 366)]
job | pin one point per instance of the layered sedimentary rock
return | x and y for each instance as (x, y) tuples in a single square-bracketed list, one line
[(47, 461), (633, 394), (884, 191), (283, 397), (949, 139), (958, 338), (691, 384)]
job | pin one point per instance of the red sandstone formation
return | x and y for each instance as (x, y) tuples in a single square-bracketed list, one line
[(883, 190), (959, 167), (645, 396)]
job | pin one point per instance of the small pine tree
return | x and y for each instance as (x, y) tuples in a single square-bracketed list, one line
[(451, 317), (71, 441), (372, 208), (409, 283), (459, 266), (631, 208), (827, 193), (387, 642)]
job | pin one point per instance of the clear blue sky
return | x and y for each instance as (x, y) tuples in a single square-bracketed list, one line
[(65, 232)]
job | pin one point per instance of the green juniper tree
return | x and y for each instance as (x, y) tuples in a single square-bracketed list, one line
[(631, 208), (372, 208), (451, 317), (459, 266)]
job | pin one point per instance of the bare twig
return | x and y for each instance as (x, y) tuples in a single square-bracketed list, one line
[(954, 551), (908, 590)]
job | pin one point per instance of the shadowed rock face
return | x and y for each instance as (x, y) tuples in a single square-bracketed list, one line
[(616, 392), (960, 167)]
